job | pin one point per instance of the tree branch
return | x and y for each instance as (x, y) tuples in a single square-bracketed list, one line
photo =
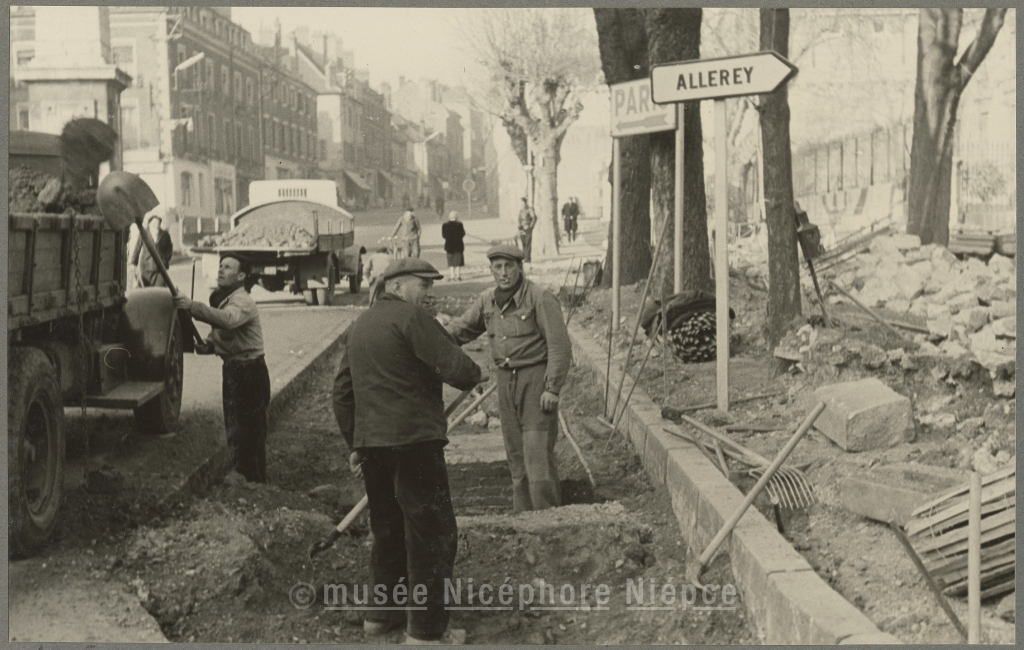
[(980, 46)]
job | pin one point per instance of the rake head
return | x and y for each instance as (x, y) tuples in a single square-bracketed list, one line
[(788, 487)]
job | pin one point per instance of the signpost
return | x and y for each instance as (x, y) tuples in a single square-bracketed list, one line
[(468, 186), (735, 76), (633, 113)]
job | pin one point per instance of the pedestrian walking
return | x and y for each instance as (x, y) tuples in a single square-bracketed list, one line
[(237, 338), (145, 267), (454, 234), (530, 345), (374, 265), (388, 403), (574, 217), (407, 234), (567, 218), (439, 204), (527, 220)]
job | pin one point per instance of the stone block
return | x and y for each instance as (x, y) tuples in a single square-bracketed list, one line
[(864, 414), (973, 318), (1005, 327), (891, 492), (1002, 265), (898, 306), (757, 551), (962, 302), (984, 340), (906, 242), (872, 638), (908, 281), (803, 610), (1002, 309)]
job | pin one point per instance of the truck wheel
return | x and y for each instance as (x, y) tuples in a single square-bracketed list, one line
[(325, 297), (160, 414), (35, 450), (354, 281), (309, 296)]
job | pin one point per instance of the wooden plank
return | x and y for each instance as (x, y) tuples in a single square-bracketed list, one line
[(946, 519), (962, 490), (990, 582), (956, 541), (953, 563), (959, 573)]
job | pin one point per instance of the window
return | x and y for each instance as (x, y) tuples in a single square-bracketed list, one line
[(250, 91), (225, 80), (211, 132), (210, 82), (238, 141), (224, 196), (129, 126), (199, 189), (323, 149), (25, 56), (253, 148), (239, 95), (228, 146), (268, 137), (183, 112), (186, 189)]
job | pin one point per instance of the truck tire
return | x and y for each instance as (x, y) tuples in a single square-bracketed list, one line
[(324, 297), (160, 414), (355, 281), (35, 450)]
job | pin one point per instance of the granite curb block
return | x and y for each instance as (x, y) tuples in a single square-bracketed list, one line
[(215, 468), (787, 601)]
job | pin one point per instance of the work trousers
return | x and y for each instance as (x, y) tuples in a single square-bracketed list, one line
[(529, 435), (411, 248), (246, 395), (414, 534), (526, 243)]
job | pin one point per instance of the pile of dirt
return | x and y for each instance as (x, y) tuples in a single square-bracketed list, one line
[(264, 233), (34, 192)]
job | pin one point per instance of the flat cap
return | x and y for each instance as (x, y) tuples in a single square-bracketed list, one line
[(411, 266), (505, 250)]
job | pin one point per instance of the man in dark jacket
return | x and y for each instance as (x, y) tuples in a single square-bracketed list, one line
[(387, 399), (527, 220), (146, 268), (531, 347)]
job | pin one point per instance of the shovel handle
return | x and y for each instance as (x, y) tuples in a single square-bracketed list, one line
[(352, 514), (187, 323), (472, 407)]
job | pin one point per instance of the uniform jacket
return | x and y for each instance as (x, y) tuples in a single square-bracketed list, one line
[(237, 334), (528, 331), (387, 391)]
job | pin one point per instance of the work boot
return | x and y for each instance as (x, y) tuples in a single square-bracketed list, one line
[(451, 636), (378, 628)]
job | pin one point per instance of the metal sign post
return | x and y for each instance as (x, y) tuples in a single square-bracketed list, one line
[(632, 113), (468, 186), (677, 275), (734, 76)]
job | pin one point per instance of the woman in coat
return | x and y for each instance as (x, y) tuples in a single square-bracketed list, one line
[(454, 234)]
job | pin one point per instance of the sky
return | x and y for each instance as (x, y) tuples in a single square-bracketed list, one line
[(389, 42)]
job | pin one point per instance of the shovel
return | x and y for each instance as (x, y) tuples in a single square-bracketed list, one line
[(124, 198), (323, 545), (694, 570)]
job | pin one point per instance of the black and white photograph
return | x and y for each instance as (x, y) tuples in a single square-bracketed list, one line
[(512, 326)]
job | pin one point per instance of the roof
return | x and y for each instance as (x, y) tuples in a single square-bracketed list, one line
[(357, 180)]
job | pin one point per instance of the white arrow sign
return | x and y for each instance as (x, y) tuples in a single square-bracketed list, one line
[(734, 76), (634, 113)]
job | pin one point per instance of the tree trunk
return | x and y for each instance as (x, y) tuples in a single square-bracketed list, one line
[(545, 231), (622, 41), (674, 35), (783, 257), (940, 84)]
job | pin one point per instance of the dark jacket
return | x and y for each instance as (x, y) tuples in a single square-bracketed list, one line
[(454, 233), (387, 391)]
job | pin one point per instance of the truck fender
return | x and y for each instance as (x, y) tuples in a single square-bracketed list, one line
[(145, 327), (349, 260)]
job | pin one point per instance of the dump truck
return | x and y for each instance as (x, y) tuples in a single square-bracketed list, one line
[(76, 337), (295, 235)]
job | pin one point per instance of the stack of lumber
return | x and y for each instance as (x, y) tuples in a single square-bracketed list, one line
[(938, 532)]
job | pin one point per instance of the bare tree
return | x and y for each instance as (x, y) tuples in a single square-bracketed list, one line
[(940, 83), (623, 44), (538, 61), (783, 260), (674, 35)]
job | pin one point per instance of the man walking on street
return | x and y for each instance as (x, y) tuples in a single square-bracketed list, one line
[(237, 339), (407, 234), (527, 220), (530, 345), (145, 266), (387, 399)]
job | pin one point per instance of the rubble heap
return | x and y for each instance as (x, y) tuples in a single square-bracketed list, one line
[(969, 305), (265, 233), (34, 192)]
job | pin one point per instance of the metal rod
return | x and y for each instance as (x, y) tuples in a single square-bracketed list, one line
[(576, 448), (472, 407), (616, 231), (817, 290), (868, 311), (974, 561), (608, 369), (677, 248), (721, 257), (916, 559)]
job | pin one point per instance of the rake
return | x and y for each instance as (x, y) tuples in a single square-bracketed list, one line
[(788, 488)]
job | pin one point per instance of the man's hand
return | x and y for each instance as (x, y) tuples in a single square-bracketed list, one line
[(548, 401), (485, 375), (182, 302), (206, 347), (355, 464)]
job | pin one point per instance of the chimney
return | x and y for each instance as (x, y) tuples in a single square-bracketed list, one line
[(302, 36), (72, 37), (332, 47)]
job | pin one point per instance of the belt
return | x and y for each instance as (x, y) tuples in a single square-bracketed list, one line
[(508, 368), (243, 361)]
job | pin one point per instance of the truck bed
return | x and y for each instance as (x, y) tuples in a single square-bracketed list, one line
[(43, 277)]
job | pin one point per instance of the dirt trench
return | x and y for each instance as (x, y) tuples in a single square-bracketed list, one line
[(233, 565)]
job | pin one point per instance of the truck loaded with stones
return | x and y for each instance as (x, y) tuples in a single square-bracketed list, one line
[(75, 337), (296, 237)]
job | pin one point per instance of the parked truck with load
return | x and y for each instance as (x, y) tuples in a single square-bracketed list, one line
[(76, 337), (295, 235)]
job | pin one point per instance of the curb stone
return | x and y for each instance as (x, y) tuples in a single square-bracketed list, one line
[(283, 388), (788, 602)]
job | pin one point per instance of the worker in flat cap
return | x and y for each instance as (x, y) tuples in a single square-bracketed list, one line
[(237, 338), (387, 399), (530, 346)]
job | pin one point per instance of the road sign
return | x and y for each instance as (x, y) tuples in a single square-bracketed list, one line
[(732, 76), (468, 185), (634, 113)]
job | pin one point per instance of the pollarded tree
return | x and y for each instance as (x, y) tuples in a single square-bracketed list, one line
[(538, 61), (622, 40), (941, 80)]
